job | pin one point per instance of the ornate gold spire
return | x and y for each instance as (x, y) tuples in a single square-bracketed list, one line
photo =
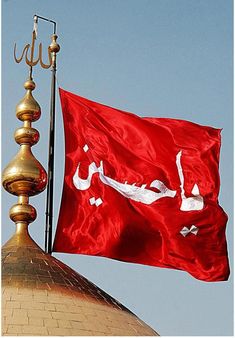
[(25, 176)]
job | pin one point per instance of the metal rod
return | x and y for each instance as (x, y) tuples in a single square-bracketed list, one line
[(54, 47), (45, 19), (50, 186)]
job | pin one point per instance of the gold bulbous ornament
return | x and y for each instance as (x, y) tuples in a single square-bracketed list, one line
[(54, 46), (27, 135), (28, 109), (22, 213), (24, 175), (29, 84)]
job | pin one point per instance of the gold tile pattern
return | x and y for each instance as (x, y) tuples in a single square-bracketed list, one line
[(43, 296)]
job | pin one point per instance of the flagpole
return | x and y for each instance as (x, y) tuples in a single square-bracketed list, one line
[(54, 49), (49, 209)]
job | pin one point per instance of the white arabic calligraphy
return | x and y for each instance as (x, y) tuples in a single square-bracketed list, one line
[(188, 203), (139, 194)]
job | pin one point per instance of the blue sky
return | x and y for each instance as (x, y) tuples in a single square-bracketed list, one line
[(165, 58)]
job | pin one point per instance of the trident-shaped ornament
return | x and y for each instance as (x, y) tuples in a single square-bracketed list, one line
[(31, 62)]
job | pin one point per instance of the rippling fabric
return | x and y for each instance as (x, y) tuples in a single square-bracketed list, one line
[(107, 151)]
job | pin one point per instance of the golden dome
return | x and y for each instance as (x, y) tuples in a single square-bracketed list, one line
[(43, 296)]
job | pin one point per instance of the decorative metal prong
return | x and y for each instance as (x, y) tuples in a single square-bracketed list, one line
[(25, 49), (30, 61), (43, 65)]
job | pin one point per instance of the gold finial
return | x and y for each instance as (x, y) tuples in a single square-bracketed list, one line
[(25, 176), (28, 109), (54, 47)]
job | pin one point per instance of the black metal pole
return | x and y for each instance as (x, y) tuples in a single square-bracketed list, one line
[(54, 49), (50, 186)]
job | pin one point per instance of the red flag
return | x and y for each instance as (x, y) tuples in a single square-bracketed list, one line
[(142, 190)]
